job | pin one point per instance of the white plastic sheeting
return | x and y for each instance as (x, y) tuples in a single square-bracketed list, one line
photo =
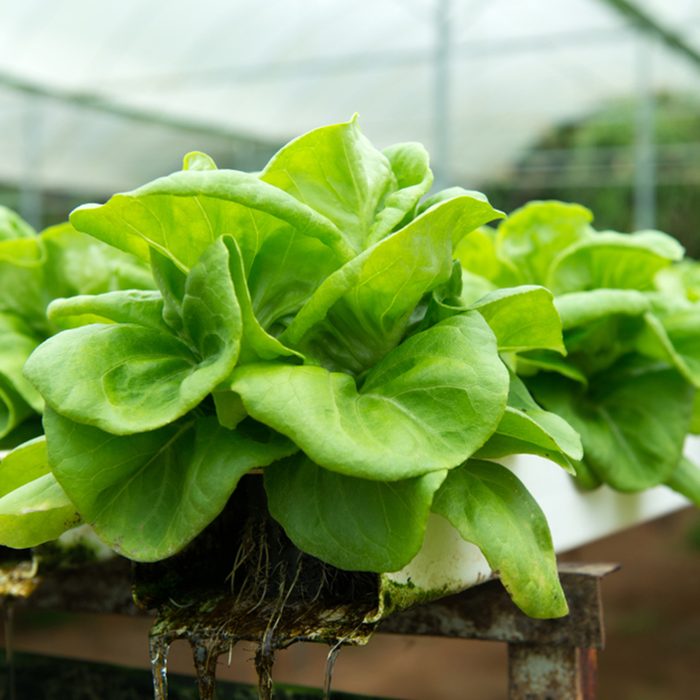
[(475, 80)]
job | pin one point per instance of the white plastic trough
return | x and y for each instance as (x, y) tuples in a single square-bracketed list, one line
[(447, 563)]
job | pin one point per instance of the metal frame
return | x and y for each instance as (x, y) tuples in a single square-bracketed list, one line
[(548, 659), (647, 23)]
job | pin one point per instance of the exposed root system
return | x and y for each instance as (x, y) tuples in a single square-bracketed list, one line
[(244, 580)]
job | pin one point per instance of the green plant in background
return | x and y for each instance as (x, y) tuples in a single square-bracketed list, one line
[(298, 325), (34, 270), (631, 325), (592, 161)]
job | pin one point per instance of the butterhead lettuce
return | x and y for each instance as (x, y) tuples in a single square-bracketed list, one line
[(309, 320)]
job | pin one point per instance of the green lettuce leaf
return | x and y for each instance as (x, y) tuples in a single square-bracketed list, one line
[(182, 214), (171, 282), (60, 263), (428, 405), (17, 342), (79, 264), (680, 280), (676, 339), (612, 260), (685, 480), (287, 247), (361, 311), (285, 272), (196, 160), (22, 288), (583, 308), (597, 346), (411, 166), (586, 478), (336, 171), (633, 420), (139, 307), (477, 255), (530, 363), (522, 318), (18, 398), (13, 408), (12, 226), (532, 237), (354, 524), (132, 377), (447, 194), (147, 495), (256, 343), (33, 507), (491, 508), (527, 428), (695, 420)]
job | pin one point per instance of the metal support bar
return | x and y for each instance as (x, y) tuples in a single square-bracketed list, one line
[(549, 672), (548, 659), (30, 194), (648, 23), (487, 612), (97, 102), (644, 141)]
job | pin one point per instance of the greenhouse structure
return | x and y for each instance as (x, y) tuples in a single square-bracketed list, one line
[(371, 326)]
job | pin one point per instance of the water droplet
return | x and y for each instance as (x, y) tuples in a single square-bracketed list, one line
[(159, 645), (330, 665)]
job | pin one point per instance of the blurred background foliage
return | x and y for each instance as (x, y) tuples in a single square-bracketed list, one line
[(591, 160)]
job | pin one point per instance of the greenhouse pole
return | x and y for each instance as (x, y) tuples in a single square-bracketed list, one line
[(30, 200), (441, 93), (645, 151), (650, 29)]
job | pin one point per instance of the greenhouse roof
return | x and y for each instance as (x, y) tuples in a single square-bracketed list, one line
[(99, 97)]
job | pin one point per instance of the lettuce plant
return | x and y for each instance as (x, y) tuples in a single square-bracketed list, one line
[(34, 270), (631, 320), (295, 329)]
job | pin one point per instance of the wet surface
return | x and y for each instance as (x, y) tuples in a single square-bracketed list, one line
[(159, 647)]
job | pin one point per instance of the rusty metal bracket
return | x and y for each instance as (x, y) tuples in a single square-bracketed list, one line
[(547, 659)]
